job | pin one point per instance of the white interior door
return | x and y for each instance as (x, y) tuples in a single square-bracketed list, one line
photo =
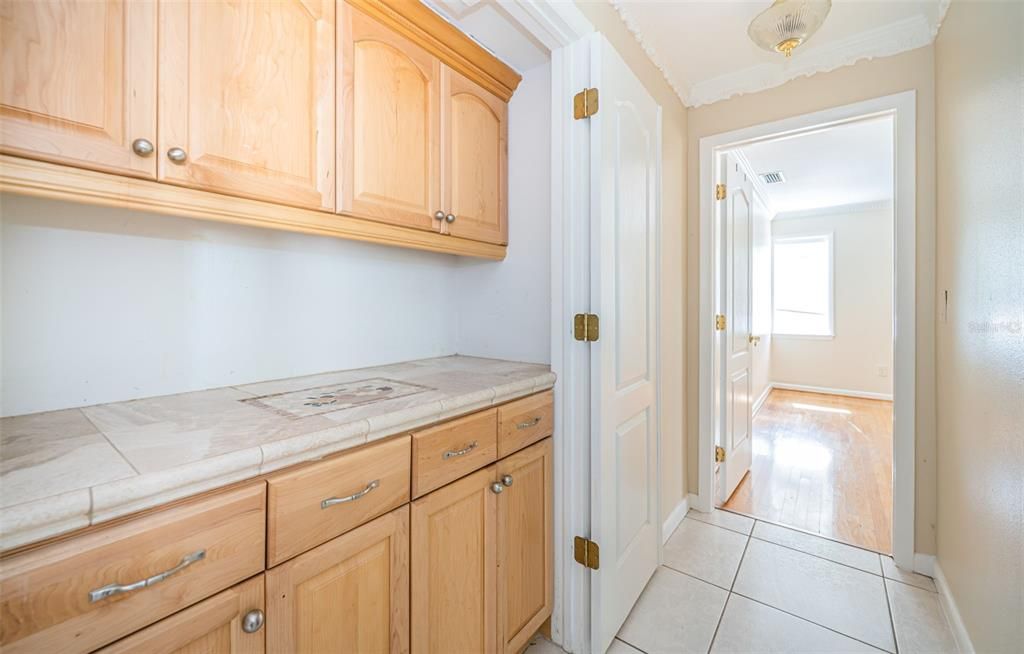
[(625, 138), (736, 224)]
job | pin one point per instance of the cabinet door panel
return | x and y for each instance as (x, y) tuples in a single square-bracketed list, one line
[(388, 107), (453, 568), (350, 594), (247, 90), (475, 160), (525, 545), (78, 82), (214, 626)]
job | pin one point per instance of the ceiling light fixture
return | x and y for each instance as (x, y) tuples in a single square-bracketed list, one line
[(787, 24)]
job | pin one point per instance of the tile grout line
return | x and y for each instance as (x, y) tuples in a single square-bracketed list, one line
[(109, 442), (818, 556), (694, 577), (735, 576), (892, 620)]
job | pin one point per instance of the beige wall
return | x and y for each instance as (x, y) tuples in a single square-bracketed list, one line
[(979, 64), (862, 81), (673, 282)]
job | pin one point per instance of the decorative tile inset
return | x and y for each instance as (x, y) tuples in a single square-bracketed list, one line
[(336, 397)]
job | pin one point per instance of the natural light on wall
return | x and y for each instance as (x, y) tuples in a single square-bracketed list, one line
[(802, 286)]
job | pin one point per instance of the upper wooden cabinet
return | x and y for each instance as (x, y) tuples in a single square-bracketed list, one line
[(388, 124), (78, 82), (475, 161), (247, 98)]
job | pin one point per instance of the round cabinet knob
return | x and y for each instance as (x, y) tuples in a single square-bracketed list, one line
[(438, 215), (177, 155), (497, 488), (450, 217), (142, 147), (252, 621), (506, 480)]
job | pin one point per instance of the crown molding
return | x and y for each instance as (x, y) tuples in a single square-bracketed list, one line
[(853, 207), (885, 41)]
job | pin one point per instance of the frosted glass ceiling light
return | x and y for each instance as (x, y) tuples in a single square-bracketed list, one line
[(787, 24)]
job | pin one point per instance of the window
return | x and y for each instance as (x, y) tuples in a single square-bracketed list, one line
[(802, 286)]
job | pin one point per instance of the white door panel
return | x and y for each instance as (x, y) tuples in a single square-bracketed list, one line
[(625, 168)]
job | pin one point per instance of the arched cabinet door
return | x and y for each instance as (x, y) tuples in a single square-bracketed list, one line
[(475, 160), (388, 124)]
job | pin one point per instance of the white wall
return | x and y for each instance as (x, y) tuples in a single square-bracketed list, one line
[(504, 308), (761, 290), (862, 244)]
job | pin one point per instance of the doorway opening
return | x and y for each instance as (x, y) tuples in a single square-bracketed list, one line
[(807, 283)]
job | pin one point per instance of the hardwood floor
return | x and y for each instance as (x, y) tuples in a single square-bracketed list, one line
[(823, 464)]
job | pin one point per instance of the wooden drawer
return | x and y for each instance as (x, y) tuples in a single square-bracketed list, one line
[(525, 422), (446, 452), (213, 626), (45, 603), (362, 484)]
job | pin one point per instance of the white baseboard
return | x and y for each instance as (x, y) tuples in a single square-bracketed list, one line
[(674, 518), (831, 391), (924, 564), (759, 402), (956, 623)]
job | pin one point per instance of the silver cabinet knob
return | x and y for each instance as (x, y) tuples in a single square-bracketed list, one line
[(177, 155), (450, 217), (142, 147), (438, 215), (252, 621), (497, 488), (506, 480)]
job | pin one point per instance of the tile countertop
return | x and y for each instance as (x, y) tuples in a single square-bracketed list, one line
[(64, 470)]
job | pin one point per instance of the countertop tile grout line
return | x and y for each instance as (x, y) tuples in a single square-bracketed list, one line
[(116, 449)]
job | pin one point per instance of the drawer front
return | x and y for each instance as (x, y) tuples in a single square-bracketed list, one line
[(314, 504), (525, 422), (446, 452), (80, 594)]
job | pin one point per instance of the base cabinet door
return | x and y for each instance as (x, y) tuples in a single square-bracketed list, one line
[(230, 622), (525, 545), (349, 595), (454, 568), (78, 83)]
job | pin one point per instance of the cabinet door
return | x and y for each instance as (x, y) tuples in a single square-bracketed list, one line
[(214, 626), (78, 82), (475, 160), (453, 568), (389, 119), (525, 545), (247, 92), (351, 594)]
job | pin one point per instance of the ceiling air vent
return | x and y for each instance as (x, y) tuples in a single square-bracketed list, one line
[(775, 177)]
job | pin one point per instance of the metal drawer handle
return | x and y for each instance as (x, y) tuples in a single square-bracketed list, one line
[(529, 423), (331, 501), (451, 454), (119, 589)]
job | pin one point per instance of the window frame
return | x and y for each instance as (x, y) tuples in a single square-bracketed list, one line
[(829, 239)]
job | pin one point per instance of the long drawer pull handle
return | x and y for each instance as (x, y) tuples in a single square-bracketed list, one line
[(119, 589), (451, 454), (529, 423), (331, 501)]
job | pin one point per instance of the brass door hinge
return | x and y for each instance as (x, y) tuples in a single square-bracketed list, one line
[(720, 322), (719, 191), (719, 454), (584, 104), (586, 552), (586, 327)]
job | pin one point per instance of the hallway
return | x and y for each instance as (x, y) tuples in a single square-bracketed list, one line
[(822, 464)]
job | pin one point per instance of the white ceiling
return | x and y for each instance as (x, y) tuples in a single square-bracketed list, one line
[(703, 49), (845, 165)]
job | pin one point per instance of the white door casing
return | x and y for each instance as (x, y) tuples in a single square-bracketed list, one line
[(625, 138), (736, 385)]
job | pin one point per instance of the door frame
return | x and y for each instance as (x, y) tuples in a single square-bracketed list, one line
[(902, 108)]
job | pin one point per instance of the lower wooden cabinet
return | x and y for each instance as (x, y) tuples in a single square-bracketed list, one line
[(350, 594), (230, 622)]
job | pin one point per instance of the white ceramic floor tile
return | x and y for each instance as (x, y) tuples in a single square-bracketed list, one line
[(675, 613), (890, 571), (705, 551), (619, 647), (734, 521), (749, 627), (849, 601), (541, 645), (828, 549), (920, 622)]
